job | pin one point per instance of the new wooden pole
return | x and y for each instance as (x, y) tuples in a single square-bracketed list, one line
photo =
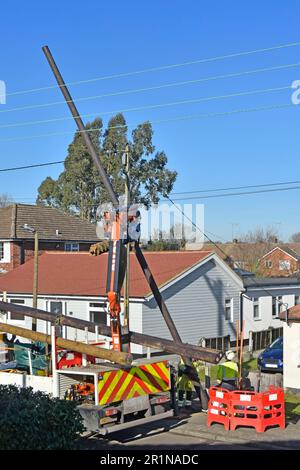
[(113, 356)]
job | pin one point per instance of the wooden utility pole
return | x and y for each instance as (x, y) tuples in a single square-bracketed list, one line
[(35, 276), (114, 356), (127, 273), (204, 354)]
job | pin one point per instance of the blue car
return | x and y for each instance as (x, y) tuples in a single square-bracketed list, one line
[(271, 359)]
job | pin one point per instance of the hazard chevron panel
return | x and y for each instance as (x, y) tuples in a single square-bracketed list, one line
[(121, 384)]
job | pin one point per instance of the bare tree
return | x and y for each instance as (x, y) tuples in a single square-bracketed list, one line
[(254, 245), (295, 238), (5, 200)]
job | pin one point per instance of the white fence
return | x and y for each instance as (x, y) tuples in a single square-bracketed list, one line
[(42, 384)]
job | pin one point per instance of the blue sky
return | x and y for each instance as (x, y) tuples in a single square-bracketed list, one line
[(105, 38)]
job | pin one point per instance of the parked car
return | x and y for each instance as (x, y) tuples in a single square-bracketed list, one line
[(271, 359)]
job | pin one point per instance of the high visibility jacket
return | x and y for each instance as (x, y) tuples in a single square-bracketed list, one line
[(183, 382), (227, 371)]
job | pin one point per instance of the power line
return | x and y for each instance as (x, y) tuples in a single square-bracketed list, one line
[(160, 68), (238, 187), (154, 106), (152, 88), (245, 193), (217, 245), (189, 117), (25, 167), (225, 195)]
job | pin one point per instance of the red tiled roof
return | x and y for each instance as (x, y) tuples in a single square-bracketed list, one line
[(293, 314), (82, 274)]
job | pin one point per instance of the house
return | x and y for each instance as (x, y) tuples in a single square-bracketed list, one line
[(291, 348), (201, 291), (282, 260), (263, 301), (204, 295), (56, 231)]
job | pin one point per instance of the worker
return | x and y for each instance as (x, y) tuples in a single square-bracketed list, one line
[(184, 387), (227, 375)]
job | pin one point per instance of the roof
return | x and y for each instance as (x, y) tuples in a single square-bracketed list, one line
[(286, 249), (47, 220), (271, 281), (241, 251), (81, 274), (292, 314)]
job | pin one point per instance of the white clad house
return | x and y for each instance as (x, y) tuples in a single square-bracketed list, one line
[(204, 295)]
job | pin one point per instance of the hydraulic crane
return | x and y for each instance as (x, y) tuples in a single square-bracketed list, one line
[(119, 222)]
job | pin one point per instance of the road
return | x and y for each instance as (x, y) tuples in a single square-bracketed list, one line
[(155, 436)]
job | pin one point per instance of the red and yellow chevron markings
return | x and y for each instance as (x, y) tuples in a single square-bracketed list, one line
[(140, 380)]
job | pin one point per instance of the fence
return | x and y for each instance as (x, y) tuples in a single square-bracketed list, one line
[(263, 339), (222, 343)]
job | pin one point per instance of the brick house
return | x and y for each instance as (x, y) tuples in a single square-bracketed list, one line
[(280, 261), (57, 232)]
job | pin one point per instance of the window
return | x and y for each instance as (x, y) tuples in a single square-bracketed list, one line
[(71, 246), (4, 252), (98, 317), (256, 309), (277, 306), (97, 313), (269, 264), (284, 265), (56, 307), (229, 309), (297, 299), (17, 316)]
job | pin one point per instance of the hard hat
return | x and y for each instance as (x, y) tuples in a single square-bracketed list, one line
[(230, 355)]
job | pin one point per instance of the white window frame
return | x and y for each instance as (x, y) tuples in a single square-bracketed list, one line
[(6, 252), (228, 299), (74, 246), (101, 309), (269, 264), (285, 262), (278, 305), (256, 303), (296, 297)]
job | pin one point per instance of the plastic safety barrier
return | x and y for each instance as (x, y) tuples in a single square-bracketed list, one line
[(218, 407), (243, 408)]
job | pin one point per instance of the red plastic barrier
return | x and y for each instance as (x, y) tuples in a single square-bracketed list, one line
[(273, 413), (218, 407), (243, 408)]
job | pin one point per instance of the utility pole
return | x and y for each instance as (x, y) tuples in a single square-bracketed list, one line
[(127, 202), (35, 270)]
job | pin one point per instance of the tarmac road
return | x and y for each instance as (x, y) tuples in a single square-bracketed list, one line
[(154, 436)]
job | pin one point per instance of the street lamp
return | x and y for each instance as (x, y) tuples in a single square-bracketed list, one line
[(30, 229)]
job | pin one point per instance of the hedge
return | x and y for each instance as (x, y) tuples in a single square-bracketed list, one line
[(35, 421)]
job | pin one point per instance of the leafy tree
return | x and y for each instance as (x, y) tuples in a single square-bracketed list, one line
[(79, 189)]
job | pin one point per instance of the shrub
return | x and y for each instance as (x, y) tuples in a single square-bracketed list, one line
[(35, 421)]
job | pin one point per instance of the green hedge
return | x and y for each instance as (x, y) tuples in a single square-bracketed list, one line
[(33, 420)]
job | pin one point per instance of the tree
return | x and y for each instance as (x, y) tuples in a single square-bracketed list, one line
[(295, 238), (255, 244), (5, 200), (79, 190)]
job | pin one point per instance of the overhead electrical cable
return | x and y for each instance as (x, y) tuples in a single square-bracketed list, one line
[(160, 68)]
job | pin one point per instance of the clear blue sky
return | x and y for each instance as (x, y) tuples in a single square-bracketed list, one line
[(95, 38)]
